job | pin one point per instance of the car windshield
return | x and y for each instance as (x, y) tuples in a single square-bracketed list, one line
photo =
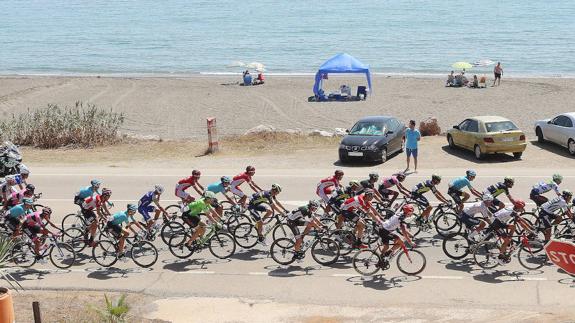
[(367, 129), (500, 126)]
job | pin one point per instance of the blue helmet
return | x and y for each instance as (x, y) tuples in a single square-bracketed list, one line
[(471, 173)]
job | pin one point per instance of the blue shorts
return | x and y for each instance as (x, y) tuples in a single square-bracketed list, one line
[(411, 152), (145, 210)]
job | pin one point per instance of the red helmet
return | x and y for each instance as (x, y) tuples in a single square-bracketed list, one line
[(407, 209), (250, 169), (519, 204), (338, 173), (196, 172)]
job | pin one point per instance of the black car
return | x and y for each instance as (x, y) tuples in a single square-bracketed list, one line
[(372, 138)]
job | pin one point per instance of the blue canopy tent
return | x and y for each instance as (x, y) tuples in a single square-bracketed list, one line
[(341, 63)]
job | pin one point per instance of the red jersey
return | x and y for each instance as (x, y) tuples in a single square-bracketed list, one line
[(240, 179), (325, 183), (356, 203)]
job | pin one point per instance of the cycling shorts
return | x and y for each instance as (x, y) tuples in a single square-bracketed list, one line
[(350, 216), (469, 221), (191, 220), (295, 224), (89, 215), (386, 236), (256, 209), (32, 230), (420, 199), (386, 192), (145, 211), (546, 219), (499, 227), (237, 191), (497, 202), (455, 195), (116, 230), (12, 223), (182, 194), (537, 198)]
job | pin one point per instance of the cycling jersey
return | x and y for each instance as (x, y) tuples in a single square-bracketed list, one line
[(543, 187), (92, 202), (240, 179), (34, 219), (16, 197), (343, 194), (424, 187), (477, 208), (498, 189), (394, 222), (148, 198), (119, 218), (197, 207), (356, 203), (187, 182), (389, 182), (326, 183), (459, 183), (302, 212), (217, 187), (365, 184), (85, 192), (554, 205), (17, 211), (261, 197), (506, 214)]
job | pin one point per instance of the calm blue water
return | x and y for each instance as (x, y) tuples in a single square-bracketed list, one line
[(184, 36)]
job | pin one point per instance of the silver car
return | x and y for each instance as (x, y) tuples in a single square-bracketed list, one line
[(559, 130)]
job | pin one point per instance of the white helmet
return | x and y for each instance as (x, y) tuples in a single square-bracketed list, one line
[(159, 189), (487, 197), (24, 170)]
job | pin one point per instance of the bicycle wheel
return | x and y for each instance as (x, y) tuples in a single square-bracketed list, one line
[(529, 216), (564, 229), (282, 231), (447, 223), (246, 235), (486, 254), (144, 254), (345, 240), (62, 255), (366, 262), (325, 251), (328, 223), (282, 251), (222, 245), (271, 217), (532, 256), (370, 234), (75, 238), (104, 253), (23, 255), (173, 211), (411, 263), (455, 246), (234, 219), (171, 229), (178, 248), (73, 220), (411, 225)]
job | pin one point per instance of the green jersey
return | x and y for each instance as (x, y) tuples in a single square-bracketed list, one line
[(198, 206)]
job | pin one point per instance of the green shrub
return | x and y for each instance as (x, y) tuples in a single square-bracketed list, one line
[(114, 311), (55, 127)]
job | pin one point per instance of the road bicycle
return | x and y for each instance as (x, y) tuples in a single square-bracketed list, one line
[(105, 253), (246, 234), (369, 261), (221, 244), (324, 250), (61, 254), (529, 253)]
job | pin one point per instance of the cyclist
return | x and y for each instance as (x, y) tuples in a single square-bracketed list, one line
[(480, 207), (191, 216), (145, 206), (303, 216), (548, 216), (386, 230), (341, 194), (500, 188), (188, 182), (7, 187), (98, 203), (349, 212), (24, 173), (223, 186), (424, 187), (456, 186), (34, 225), (239, 180), (87, 191), (258, 203), (16, 197), (389, 182), (538, 190), (115, 226), (17, 214), (326, 186), (504, 229), (370, 184)]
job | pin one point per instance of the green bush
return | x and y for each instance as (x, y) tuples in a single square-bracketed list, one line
[(55, 127)]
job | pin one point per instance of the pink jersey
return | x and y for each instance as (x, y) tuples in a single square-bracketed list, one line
[(325, 183), (187, 182), (355, 203), (240, 179), (34, 218), (92, 202), (17, 197), (389, 181)]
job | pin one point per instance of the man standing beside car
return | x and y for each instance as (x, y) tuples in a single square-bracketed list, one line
[(411, 138)]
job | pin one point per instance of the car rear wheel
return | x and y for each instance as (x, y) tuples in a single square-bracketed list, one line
[(539, 134), (383, 154), (450, 141), (571, 146), (477, 151), (517, 155)]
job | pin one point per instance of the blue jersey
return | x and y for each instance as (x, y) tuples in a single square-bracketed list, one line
[(460, 183), (120, 218), (147, 199), (17, 211), (86, 192), (216, 188), (261, 197)]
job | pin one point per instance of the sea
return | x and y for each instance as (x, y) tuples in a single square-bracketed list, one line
[(289, 37)]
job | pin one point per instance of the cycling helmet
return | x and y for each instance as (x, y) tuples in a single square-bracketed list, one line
[(471, 173), (436, 177), (276, 187), (557, 178), (27, 201), (95, 182), (354, 183), (509, 179), (519, 204), (338, 173), (210, 195), (159, 189), (106, 192), (250, 169), (46, 211), (407, 209), (567, 193), (374, 176), (10, 180), (313, 204), (487, 197), (131, 207), (226, 179), (30, 187), (400, 176), (24, 170), (196, 173), (368, 192)]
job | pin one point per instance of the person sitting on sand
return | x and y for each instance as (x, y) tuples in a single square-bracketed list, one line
[(464, 79), (260, 79), (247, 78), (475, 83), (450, 79)]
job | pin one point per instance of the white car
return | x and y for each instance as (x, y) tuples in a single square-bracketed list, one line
[(559, 130)]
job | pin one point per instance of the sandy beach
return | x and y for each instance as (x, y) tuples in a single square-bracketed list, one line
[(177, 107)]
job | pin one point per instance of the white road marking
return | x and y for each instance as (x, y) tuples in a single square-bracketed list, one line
[(344, 275), (258, 273), (532, 278), (197, 272), (443, 277)]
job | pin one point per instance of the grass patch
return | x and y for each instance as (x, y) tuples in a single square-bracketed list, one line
[(78, 126)]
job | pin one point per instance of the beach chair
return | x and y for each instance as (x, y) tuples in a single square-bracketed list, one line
[(361, 90)]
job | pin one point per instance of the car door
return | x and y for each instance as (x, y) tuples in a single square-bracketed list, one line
[(471, 134), (564, 129), (551, 129), (398, 133), (458, 134), (391, 135)]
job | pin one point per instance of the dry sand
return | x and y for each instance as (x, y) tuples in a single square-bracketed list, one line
[(178, 107)]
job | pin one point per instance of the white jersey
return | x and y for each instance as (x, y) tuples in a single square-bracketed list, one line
[(504, 215), (554, 205), (393, 223), (543, 187), (477, 208)]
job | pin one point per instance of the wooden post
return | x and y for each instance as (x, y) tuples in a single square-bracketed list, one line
[(212, 136), (37, 314)]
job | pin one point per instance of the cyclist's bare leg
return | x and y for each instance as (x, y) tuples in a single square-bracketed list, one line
[(242, 201), (465, 197), (396, 245), (339, 222), (267, 215), (37, 244), (299, 240), (259, 225), (394, 195), (200, 230), (426, 212), (93, 227), (359, 227), (122, 240)]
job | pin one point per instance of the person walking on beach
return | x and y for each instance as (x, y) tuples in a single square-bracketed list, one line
[(411, 138), (497, 71)]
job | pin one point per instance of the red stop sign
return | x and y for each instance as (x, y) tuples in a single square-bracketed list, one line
[(562, 254)]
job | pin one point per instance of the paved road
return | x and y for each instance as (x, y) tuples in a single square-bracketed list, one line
[(251, 273)]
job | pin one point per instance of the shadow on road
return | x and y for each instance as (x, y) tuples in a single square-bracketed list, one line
[(552, 148), (291, 271), (469, 156), (379, 282), (362, 163), (250, 254), (180, 265)]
